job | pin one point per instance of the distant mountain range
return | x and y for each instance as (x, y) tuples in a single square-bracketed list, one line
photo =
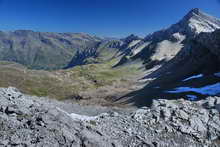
[(170, 70), (187, 49), (43, 50), (46, 50), (40, 50)]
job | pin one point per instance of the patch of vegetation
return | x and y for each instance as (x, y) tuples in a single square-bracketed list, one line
[(5, 63), (101, 74), (63, 84), (92, 122)]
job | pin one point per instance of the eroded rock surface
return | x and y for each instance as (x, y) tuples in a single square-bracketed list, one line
[(32, 121)]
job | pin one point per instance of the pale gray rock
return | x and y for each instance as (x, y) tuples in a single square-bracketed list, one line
[(33, 121)]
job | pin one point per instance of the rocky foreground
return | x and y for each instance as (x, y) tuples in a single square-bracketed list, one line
[(32, 121)]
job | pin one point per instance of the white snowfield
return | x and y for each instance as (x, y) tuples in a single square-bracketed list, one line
[(166, 50), (217, 74), (193, 77), (199, 25), (133, 43), (192, 97), (78, 117), (200, 76), (206, 90)]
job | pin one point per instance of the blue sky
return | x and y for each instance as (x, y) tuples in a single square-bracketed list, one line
[(115, 18)]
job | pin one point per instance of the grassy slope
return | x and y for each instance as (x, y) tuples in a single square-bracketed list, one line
[(43, 50), (62, 84)]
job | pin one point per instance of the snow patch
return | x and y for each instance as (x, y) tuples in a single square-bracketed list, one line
[(192, 97), (206, 90), (79, 117), (82, 117), (140, 48), (157, 87), (87, 118), (133, 43), (166, 50), (179, 36), (217, 74), (202, 26), (193, 77)]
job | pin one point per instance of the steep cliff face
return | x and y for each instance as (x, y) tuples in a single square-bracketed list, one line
[(211, 41)]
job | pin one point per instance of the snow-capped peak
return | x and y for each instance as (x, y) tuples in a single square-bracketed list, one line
[(197, 21), (190, 25), (195, 11)]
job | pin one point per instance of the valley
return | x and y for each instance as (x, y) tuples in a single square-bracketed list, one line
[(89, 84), (75, 89), (111, 71)]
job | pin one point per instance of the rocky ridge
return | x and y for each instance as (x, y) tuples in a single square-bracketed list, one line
[(168, 61), (193, 23), (32, 121), (161, 46)]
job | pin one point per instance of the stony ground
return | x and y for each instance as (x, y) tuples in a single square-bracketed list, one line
[(33, 121)]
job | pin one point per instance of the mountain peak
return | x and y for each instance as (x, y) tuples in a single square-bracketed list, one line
[(196, 11), (197, 21), (131, 38), (193, 23)]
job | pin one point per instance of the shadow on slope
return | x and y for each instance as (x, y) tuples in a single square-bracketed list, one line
[(193, 59)]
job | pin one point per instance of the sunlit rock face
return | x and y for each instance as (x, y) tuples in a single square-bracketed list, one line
[(163, 45)]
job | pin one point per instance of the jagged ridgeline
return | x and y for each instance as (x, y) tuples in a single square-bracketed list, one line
[(163, 45), (182, 60), (45, 50), (159, 62), (174, 71)]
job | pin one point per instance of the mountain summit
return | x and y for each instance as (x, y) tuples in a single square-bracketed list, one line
[(198, 21), (193, 12), (41, 50), (182, 60), (191, 25), (163, 45)]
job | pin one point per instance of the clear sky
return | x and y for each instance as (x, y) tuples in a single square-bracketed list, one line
[(115, 18)]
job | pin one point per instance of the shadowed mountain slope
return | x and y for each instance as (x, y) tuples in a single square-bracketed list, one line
[(193, 72), (43, 50), (165, 44), (106, 67), (193, 54)]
